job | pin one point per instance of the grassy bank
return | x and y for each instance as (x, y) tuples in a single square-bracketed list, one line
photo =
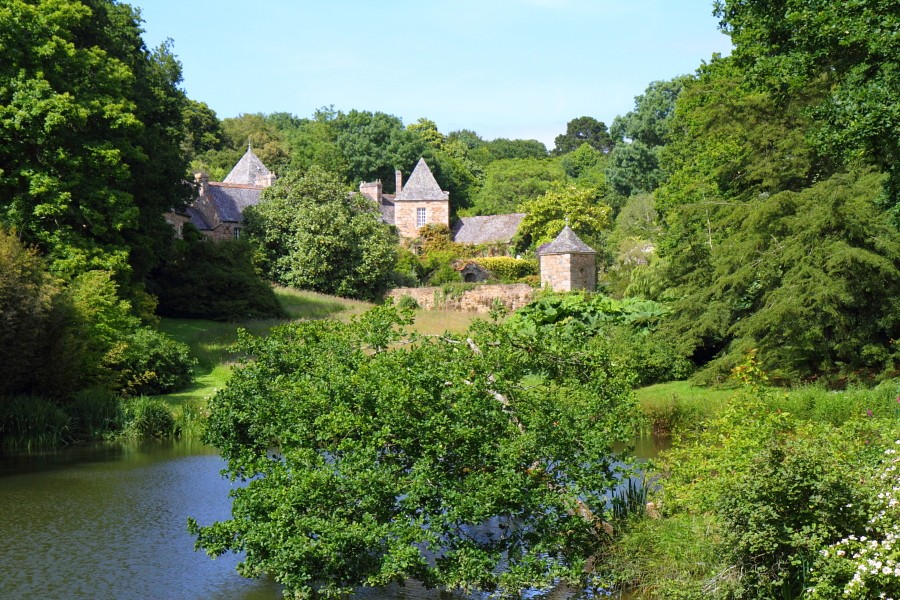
[(212, 343), (681, 405)]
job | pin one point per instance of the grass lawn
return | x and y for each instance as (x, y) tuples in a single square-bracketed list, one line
[(211, 342)]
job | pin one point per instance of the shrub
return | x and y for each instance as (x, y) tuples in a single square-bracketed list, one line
[(151, 362), (508, 269), (28, 305), (406, 302), (148, 417), (216, 281)]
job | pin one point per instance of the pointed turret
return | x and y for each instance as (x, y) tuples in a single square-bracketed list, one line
[(420, 202), (421, 186), (567, 263), (250, 171)]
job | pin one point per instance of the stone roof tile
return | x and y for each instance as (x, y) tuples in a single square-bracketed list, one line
[(566, 243), (487, 229), (230, 201), (248, 171), (421, 186)]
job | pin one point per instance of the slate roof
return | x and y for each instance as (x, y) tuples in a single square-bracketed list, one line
[(248, 171), (197, 218), (421, 185), (387, 209), (566, 243), (230, 200), (487, 229)]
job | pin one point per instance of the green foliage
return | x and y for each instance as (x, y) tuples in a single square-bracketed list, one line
[(310, 235), (216, 281), (634, 165), (850, 48), (776, 489), (731, 142), (369, 462), (677, 558), (625, 325), (579, 207), (584, 130), (29, 307), (151, 362), (96, 413), (90, 135), (586, 166), (509, 183), (147, 418), (819, 295), (407, 303), (508, 269), (865, 566), (29, 423)]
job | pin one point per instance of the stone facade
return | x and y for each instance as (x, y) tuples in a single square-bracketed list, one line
[(567, 272), (421, 192), (568, 264), (480, 299), (436, 211)]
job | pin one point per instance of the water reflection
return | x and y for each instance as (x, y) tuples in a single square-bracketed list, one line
[(109, 522)]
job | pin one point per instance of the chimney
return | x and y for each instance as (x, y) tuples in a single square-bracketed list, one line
[(371, 190), (399, 179), (202, 181)]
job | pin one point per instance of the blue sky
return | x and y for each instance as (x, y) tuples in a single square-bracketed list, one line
[(503, 68)]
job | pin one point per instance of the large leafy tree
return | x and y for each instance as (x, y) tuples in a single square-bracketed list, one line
[(849, 48), (580, 207), (479, 463), (375, 145), (584, 130), (640, 135), (511, 182), (730, 141), (90, 135), (311, 234)]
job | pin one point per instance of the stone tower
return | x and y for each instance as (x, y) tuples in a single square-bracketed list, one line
[(568, 264), (420, 202)]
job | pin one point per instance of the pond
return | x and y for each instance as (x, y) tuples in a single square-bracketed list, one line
[(109, 521)]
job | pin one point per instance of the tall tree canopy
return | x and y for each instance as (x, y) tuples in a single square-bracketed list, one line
[(584, 130), (477, 463), (640, 135), (311, 235), (850, 49), (91, 126)]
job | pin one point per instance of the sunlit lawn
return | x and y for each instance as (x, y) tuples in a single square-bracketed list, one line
[(212, 343)]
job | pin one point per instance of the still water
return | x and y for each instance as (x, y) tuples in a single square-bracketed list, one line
[(109, 521)]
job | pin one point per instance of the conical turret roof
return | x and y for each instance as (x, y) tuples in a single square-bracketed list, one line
[(566, 243), (248, 171), (421, 186)]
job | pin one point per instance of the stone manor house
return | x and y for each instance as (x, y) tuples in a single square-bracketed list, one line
[(566, 263)]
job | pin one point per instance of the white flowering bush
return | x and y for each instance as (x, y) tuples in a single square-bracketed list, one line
[(867, 566)]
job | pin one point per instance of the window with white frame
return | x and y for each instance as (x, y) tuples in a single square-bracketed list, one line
[(236, 233), (420, 217)]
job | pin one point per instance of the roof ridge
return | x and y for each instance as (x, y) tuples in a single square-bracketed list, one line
[(421, 185), (567, 242)]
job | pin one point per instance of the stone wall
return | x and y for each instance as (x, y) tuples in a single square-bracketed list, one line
[(479, 299), (436, 211)]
